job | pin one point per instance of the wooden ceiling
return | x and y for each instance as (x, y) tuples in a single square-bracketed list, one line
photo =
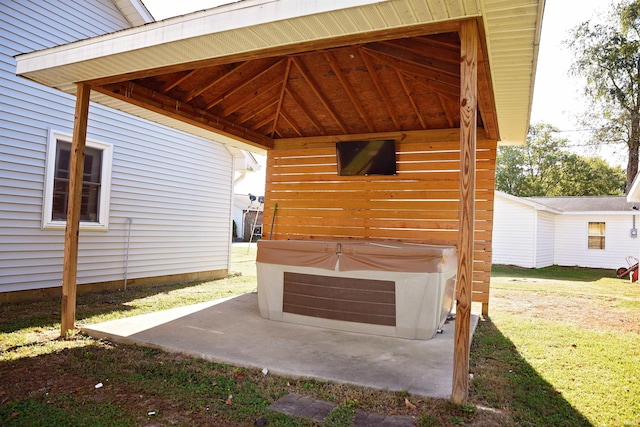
[(403, 84)]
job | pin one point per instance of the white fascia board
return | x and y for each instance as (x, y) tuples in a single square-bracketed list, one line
[(597, 213), (198, 24), (634, 191)]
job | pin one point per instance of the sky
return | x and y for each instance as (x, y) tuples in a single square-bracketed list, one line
[(557, 96)]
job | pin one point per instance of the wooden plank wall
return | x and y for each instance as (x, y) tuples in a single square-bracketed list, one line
[(419, 204)]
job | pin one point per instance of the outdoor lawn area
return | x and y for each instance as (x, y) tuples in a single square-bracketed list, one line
[(561, 347)]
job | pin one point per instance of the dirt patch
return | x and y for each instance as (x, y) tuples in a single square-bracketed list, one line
[(595, 313)]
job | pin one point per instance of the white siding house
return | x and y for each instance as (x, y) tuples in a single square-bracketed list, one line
[(522, 232), (163, 196), (535, 232)]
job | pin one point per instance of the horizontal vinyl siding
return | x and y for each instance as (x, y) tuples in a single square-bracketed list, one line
[(545, 236), (571, 241), (513, 233), (176, 188)]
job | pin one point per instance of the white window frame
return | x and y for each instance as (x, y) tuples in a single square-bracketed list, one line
[(102, 224), (603, 236)]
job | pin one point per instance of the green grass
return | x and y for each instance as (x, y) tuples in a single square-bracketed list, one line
[(534, 362), (566, 368)]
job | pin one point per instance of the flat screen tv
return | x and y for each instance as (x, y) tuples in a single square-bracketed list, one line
[(376, 157)]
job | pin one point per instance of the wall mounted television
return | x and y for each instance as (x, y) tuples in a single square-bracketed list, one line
[(361, 158)]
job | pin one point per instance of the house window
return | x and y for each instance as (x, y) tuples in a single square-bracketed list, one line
[(96, 181), (596, 235)]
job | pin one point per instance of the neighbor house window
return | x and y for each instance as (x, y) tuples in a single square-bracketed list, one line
[(596, 235), (95, 183)]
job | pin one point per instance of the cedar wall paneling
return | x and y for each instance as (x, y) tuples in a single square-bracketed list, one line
[(419, 204)]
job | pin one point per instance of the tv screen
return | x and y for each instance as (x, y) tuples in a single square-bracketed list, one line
[(366, 157)]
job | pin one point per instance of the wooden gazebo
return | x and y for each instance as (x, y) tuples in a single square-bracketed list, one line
[(446, 79)]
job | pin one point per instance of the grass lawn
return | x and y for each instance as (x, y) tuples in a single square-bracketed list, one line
[(561, 347)]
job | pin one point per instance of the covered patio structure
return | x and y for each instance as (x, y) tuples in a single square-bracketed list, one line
[(445, 79)]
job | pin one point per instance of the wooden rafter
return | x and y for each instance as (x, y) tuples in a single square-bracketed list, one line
[(436, 82), (379, 87), (407, 91), (349, 91), (407, 51), (171, 84), (167, 106), (294, 96), (283, 89), (251, 96), (292, 123), (249, 78), (447, 113), (318, 93), (213, 83), (251, 114), (264, 122)]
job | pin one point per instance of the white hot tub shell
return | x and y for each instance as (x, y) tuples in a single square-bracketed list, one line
[(384, 288)]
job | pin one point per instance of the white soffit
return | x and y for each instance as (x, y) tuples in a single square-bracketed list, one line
[(512, 28)]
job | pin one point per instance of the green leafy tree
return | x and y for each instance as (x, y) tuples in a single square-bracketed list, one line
[(607, 54), (544, 166)]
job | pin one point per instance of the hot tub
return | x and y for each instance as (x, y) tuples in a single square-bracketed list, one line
[(385, 288)]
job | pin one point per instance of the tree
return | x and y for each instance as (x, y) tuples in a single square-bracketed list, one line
[(608, 56), (544, 166)]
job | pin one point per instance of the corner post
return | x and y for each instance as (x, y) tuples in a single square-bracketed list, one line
[(468, 128), (72, 230)]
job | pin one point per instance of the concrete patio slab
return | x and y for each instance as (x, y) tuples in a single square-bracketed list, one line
[(231, 331)]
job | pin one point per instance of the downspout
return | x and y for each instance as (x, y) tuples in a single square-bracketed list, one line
[(232, 191), (535, 239), (126, 251)]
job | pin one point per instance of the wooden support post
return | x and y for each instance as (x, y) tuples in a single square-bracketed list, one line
[(76, 169), (468, 124)]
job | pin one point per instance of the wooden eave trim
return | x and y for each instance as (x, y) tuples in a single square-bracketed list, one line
[(162, 104)]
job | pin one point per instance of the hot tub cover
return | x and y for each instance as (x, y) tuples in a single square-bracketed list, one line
[(358, 255)]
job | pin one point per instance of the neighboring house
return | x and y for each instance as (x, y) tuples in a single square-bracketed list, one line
[(156, 202), (244, 216), (535, 232)]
